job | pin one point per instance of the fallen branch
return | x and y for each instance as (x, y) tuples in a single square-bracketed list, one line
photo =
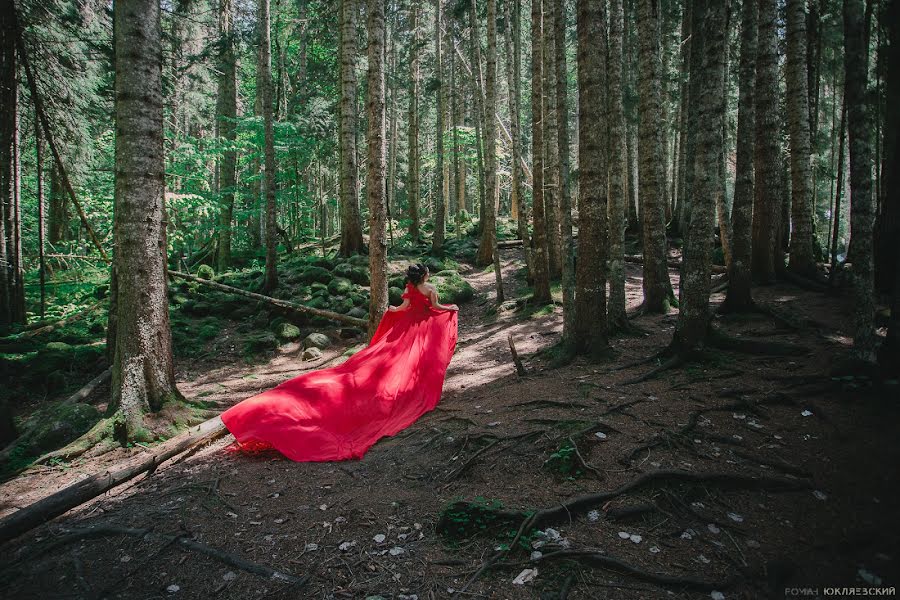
[(520, 368), (290, 306), (78, 493), (51, 327), (89, 387)]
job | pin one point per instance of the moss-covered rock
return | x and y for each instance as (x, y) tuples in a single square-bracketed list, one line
[(359, 299), (316, 340), (341, 304), (315, 274), (451, 287), (359, 260), (319, 301), (55, 425), (260, 342), (358, 312), (340, 286), (394, 295), (205, 272), (288, 331), (318, 287)]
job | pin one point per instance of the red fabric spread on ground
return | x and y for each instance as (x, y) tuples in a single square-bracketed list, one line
[(339, 413)]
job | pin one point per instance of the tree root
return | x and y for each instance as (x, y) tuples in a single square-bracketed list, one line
[(719, 340), (673, 362), (581, 504), (75, 535), (600, 476), (594, 558)]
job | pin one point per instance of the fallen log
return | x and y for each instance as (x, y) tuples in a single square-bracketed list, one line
[(290, 306), (61, 323), (75, 495)]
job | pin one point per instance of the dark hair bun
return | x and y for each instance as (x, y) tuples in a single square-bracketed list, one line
[(416, 273)]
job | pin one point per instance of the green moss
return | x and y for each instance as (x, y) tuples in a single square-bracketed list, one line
[(205, 272), (451, 287), (260, 342), (340, 286), (394, 296), (55, 425), (315, 274), (287, 331)]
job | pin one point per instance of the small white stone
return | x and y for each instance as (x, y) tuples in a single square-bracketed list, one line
[(323, 507), (806, 413), (229, 576), (820, 495), (624, 535), (536, 554), (717, 595), (379, 538), (654, 549), (600, 435), (593, 516), (712, 528), (735, 517), (703, 559), (396, 551), (172, 588), (635, 538)]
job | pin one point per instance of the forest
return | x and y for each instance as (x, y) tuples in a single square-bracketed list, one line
[(671, 227)]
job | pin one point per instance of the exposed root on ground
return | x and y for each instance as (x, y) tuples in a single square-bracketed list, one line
[(594, 558), (101, 531)]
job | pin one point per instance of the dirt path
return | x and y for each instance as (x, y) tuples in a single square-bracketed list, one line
[(491, 438)]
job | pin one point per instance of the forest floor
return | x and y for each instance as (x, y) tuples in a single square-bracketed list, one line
[(370, 528)]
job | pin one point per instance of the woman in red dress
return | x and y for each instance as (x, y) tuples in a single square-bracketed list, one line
[(339, 413)]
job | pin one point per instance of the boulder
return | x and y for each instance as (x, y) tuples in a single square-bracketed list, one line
[(260, 342), (339, 286), (451, 287), (394, 295), (316, 340), (287, 331), (311, 353), (358, 312), (315, 275), (57, 424)]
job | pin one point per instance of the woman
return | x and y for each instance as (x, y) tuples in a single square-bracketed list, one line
[(339, 413)]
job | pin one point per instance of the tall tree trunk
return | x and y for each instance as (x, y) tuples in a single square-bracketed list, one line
[(618, 170), (658, 293), (375, 168), (839, 188), (551, 144), (226, 115), (802, 257), (887, 226), (514, 77), (42, 229), (143, 377), (489, 217), (739, 297), (540, 256), (440, 208), (351, 228), (58, 213), (413, 186), (264, 81), (861, 208), (565, 195), (12, 292), (766, 155), (681, 184), (710, 24), (391, 199), (590, 332)]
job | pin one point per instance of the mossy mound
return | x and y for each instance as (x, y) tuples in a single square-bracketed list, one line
[(287, 331), (340, 286), (257, 343), (395, 295), (315, 275), (55, 425), (451, 287)]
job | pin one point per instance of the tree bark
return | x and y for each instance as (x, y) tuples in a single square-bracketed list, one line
[(540, 256), (264, 81), (489, 218), (658, 294), (440, 208), (710, 24), (551, 144), (565, 195), (861, 208), (618, 170), (413, 186), (143, 377), (226, 114), (513, 73), (351, 229), (590, 330), (8, 123), (375, 188), (766, 155), (739, 296), (802, 258)]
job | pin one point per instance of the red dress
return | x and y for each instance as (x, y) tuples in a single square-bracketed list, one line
[(339, 413)]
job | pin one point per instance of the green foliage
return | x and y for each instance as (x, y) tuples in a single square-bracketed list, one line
[(451, 287), (564, 461), (480, 517), (205, 272)]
